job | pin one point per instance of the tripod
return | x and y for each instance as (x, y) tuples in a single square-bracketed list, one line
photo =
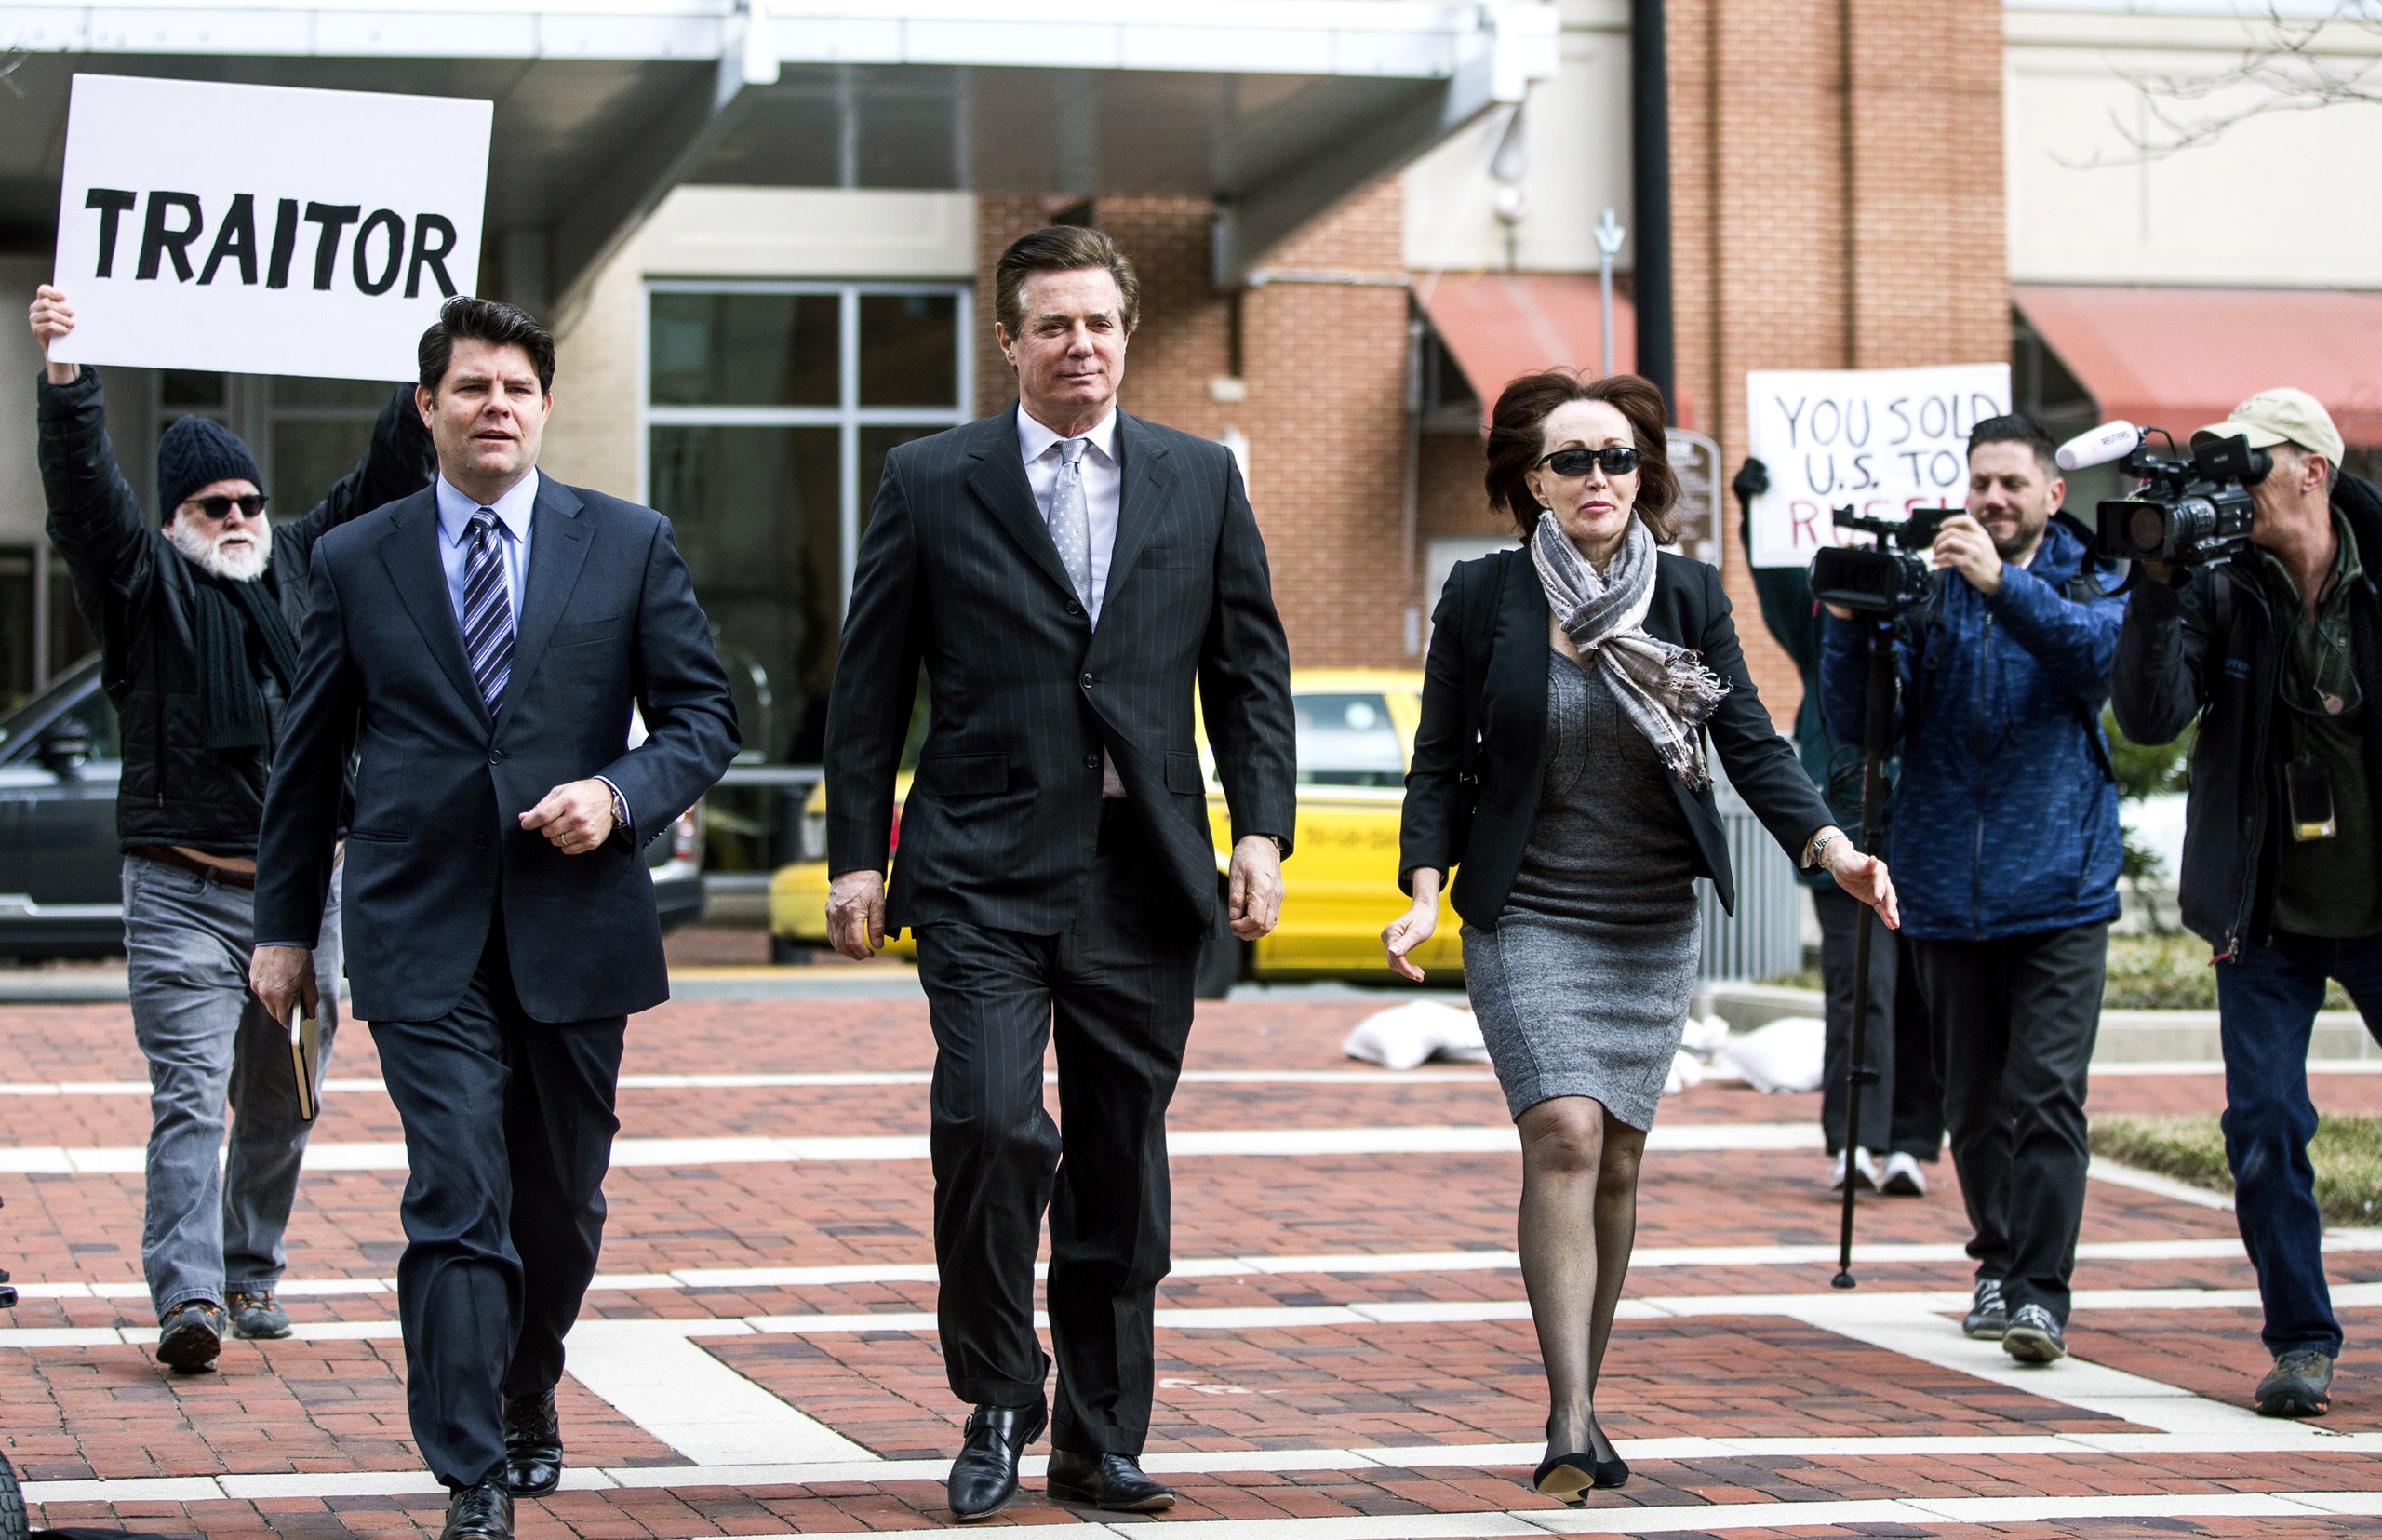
[(1874, 733)]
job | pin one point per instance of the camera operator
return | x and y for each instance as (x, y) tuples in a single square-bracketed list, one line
[(2281, 872), (2007, 821)]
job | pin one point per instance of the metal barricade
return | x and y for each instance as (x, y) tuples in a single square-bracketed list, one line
[(1765, 936)]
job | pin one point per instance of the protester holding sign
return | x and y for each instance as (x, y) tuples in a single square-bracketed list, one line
[(198, 625)]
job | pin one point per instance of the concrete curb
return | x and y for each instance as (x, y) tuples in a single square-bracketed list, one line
[(2126, 1037)]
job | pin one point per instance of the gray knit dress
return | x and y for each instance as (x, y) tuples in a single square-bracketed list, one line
[(1582, 988)]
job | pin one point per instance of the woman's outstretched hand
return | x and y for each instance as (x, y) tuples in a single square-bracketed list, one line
[(1414, 927), (1866, 878)]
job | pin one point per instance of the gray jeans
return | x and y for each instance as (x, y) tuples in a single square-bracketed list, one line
[(211, 1047)]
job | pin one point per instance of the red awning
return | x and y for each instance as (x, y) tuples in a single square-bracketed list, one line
[(1501, 324), (2180, 358)]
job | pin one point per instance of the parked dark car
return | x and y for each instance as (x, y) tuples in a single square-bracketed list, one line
[(60, 895)]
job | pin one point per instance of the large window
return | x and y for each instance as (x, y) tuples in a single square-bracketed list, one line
[(769, 410), (305, 433)]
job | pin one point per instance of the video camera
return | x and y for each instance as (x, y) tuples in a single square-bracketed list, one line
[(1885, 578), (2188, 511)]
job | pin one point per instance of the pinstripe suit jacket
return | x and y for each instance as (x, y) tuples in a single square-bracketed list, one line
[(957, 574)]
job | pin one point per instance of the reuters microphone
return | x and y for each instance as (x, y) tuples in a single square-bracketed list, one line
[(2099, 446)]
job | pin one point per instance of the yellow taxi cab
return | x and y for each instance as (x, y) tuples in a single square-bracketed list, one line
[(1355, 735)]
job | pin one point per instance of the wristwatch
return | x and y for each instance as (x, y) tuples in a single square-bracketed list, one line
[(1819, 845)]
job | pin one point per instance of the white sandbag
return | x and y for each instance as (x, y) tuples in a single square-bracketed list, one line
[(1686, 1070), (1405, 1036), (1784, 1055), (1705, 1036)]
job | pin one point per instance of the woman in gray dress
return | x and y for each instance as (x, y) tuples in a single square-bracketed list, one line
[(1560, 770)]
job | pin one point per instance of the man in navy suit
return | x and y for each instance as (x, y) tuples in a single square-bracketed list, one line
[(480, 645)]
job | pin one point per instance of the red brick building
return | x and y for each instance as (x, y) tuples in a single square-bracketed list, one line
[(1836, 187)]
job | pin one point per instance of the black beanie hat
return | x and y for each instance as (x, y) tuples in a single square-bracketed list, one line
[(198, 450)]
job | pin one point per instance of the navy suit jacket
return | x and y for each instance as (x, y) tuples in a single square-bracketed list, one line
[(436, 853), (958, 575)]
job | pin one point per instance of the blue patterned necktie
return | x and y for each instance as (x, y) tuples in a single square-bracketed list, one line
[(1069, 519), (488, 611)]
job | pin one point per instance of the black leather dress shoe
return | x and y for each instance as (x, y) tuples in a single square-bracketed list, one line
[(532, 1445), (1111, 1481), (984, 1477), (484, 1512)]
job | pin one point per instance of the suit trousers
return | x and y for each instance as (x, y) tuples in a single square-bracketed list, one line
[(1113, 991), (2014, 1019), (509, 1126)]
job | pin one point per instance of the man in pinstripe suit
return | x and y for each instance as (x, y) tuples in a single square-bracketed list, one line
[(1064, 573)]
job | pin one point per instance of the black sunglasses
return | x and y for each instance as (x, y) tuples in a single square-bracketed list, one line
[(1618, 460), (219, 507)]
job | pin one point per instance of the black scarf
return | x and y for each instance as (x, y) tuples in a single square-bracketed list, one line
[(234, 626)]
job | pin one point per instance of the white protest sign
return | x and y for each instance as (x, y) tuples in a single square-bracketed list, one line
[(1884, 440), (265, 230)]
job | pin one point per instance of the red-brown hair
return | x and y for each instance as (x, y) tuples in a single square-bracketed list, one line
[(1516, 439)]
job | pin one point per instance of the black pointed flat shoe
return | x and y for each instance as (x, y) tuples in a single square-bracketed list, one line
[(1568, 1475)]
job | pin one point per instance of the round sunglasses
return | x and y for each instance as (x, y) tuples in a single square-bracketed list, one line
[(1618, 460), (219, 507)]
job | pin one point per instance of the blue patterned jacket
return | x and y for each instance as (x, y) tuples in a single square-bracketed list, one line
[(2006, 817)]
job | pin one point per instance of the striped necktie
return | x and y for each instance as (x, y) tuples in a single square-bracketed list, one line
[(488, 611)]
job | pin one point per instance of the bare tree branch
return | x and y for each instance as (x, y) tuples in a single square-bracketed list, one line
[(2295, 64)]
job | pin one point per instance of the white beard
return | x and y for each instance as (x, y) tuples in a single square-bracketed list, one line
[(242, 563)]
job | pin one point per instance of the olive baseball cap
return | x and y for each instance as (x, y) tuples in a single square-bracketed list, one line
[(2281, 416)]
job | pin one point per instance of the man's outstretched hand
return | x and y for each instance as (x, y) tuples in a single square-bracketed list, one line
[(282, 976), (856, 914)]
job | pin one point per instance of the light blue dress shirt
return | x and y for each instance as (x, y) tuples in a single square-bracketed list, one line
[(512, 511)]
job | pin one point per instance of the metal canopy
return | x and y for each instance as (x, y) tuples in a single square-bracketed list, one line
[(1275, 108)]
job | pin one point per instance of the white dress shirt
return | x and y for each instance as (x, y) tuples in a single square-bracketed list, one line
[(1104, 490)]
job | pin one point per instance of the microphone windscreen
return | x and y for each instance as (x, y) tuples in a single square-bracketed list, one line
[(2099, 446)]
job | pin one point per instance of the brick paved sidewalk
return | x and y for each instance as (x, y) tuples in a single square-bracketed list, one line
[(1331, 1396)]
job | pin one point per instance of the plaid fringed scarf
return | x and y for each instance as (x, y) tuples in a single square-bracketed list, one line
[(1666, 690)]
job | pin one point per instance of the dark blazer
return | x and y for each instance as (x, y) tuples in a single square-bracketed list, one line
[(436, 852), (1499, 597), (957, 574)]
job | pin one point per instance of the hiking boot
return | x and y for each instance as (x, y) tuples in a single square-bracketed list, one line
[(2300, 1385), (256, 1316), (2034, 1337), (190, 1337), (1988, 1317)]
